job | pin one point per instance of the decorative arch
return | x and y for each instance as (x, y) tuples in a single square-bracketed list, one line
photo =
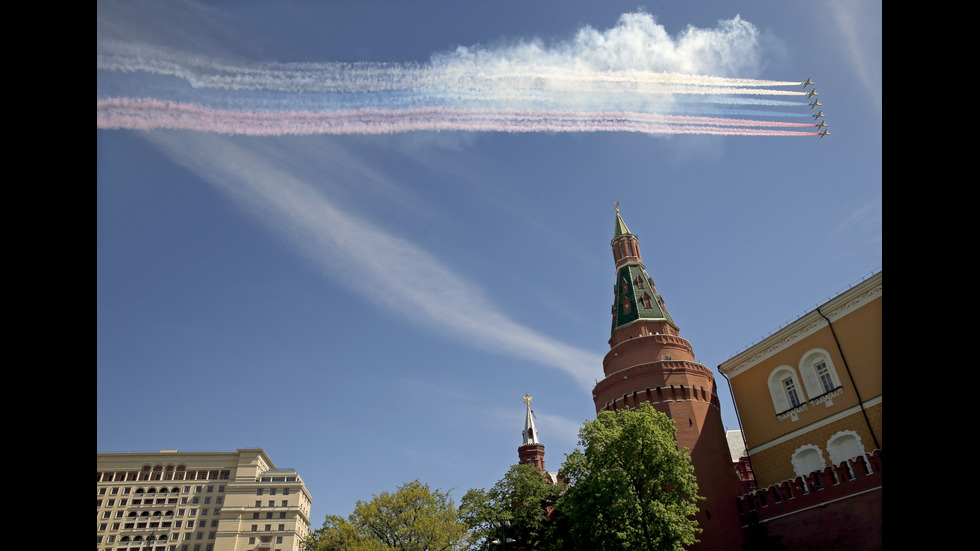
[(819, 373), (806, 459), (843, 446), (785, 389)]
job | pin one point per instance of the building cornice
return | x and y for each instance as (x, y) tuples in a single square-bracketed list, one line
[(815, 425), (808, 324)]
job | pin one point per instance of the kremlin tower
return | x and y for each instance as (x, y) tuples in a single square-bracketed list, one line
[(531, 452), (649, 362)]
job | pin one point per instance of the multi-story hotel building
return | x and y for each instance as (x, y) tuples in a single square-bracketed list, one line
[(199, 501)]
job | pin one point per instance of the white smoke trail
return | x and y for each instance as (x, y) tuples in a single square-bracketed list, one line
[(624, 73)]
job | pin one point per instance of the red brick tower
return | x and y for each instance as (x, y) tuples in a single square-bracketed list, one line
[(649, 362)]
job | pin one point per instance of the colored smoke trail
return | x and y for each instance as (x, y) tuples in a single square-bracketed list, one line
[(152, 114), (623, 80)]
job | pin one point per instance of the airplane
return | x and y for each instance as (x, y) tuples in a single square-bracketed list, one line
[(818, 115), (807, 82), (824, 133), (816, 103), (812, 93), (821, 124)]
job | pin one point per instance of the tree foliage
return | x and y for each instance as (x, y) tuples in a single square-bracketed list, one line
[(413, 518), (630, 488), (523, 497)]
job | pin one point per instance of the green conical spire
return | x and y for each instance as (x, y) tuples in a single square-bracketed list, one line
[(636, 297), (621, 228)]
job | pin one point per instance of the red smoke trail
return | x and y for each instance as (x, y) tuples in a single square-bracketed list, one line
[(149, 114)]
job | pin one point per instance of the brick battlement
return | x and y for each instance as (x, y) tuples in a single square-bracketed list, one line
[(831, 484), (657, 395)]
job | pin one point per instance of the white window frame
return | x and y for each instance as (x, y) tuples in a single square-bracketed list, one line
[(777, 388), (808, 372)]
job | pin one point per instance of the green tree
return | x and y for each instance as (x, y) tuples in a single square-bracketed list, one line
[(414, 518), (523, 497), (630, 488)]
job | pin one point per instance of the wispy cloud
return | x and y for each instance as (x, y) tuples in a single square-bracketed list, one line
[(860, 27), (358, 254)]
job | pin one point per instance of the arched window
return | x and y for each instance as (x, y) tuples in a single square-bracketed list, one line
[(818, 372), (784, 387), (807, 459), (843, 446)]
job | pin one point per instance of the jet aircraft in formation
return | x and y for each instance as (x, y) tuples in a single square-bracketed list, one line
[(813, 105)]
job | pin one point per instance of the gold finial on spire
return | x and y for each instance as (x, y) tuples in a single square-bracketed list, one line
[(527, 399), (617, 207)]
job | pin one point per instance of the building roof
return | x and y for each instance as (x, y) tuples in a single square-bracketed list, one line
[(530, 432), (847, 301), (736, 445), (621, 228)]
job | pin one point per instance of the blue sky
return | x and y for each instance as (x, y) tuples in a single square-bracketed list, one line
[(370, 309)]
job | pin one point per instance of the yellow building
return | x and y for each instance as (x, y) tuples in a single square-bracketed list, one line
[(809, 395), (199, 501)]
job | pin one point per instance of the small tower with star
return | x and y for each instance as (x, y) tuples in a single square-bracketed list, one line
[(531, 452)]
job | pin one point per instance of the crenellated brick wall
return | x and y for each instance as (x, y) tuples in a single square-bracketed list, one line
[(838, 507)]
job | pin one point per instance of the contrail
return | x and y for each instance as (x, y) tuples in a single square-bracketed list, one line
[(624, 80)]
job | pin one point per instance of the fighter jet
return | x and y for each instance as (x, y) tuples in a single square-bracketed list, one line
[(807, 82), (824, 133), (818, 115), (816, 103), (821, 124), (811, 93)]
